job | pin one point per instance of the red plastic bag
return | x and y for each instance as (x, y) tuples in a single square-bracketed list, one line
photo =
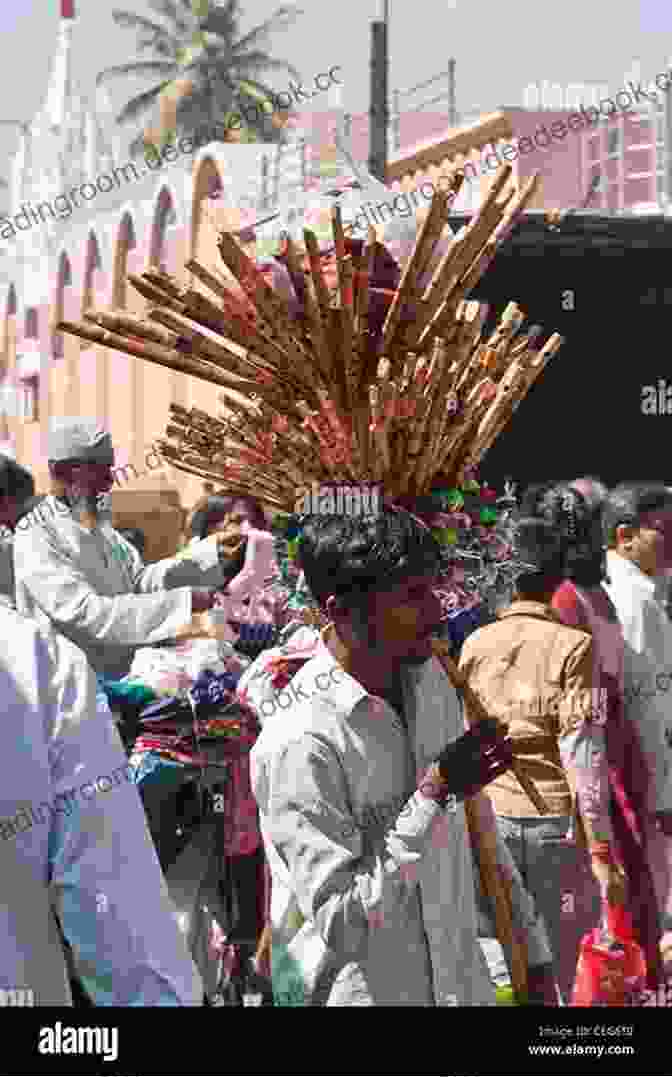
[(611, 969)]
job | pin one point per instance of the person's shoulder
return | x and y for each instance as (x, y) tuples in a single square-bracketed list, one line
[(43, 517), (37, 651)]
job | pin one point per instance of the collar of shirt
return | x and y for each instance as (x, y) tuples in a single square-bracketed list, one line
[(323, 669), (624, 573), (530, 609)]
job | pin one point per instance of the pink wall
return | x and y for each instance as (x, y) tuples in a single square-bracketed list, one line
[(559, 164)]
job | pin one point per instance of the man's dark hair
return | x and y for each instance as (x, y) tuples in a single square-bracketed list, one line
[(352, 556), (538, 545), (627, 503), (15, 481), (574, 520), (532, 496)]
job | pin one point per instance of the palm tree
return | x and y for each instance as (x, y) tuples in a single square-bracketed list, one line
[(205, 71)]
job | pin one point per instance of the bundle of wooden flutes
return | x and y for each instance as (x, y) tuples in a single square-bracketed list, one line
[(324, 395)]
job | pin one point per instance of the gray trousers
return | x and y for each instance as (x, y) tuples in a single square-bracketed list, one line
[(557, 875)]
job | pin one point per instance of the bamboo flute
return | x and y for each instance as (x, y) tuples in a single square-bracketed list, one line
[(517, 395), (362, 412), (346, 308), (149, 291), (379, 431), (155, 353), (269, 305), (164, 282), (457, 435), (218, 352), (436, 412), (260, 294), (457, 259), (426, 240), (321, 290), (206, 277), (450, 286), (314, 316), (131, 325)]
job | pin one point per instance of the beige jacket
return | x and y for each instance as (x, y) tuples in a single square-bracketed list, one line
[(536, 674)]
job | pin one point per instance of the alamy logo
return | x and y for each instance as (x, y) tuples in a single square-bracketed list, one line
[(336, 499), (657, 400)]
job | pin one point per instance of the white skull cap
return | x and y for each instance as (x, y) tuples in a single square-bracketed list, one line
[(79, 439)]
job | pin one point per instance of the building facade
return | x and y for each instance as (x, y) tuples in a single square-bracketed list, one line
[(63, 264)]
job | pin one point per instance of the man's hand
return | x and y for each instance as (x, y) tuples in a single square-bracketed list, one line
[(230, 538), (202, 599), (664, 823), (474, 760)]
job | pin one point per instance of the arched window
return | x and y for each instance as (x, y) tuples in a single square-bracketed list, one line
[(8, 331), (92, 265), (31, 330), (28, 367), (165, 217), (207, 185), (126, 242), (63, 281)]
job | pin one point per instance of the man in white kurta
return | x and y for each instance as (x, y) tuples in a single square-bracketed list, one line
[(85, 579), (75, 851)]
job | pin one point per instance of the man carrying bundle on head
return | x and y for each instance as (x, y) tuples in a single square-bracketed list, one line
[(360, 784), (75, 571)]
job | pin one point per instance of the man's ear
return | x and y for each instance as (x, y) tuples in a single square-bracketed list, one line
[(625, 533)]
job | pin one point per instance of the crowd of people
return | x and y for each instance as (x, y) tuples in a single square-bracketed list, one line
[(366, 755)]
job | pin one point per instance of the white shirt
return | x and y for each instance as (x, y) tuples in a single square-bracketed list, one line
[(648, 669), (74, 843), (94, 587)]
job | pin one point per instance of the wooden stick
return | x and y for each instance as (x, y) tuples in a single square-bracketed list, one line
[(263, 953), (484, 844)]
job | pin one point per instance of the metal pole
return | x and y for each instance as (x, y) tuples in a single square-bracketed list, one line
[(452, 105), (396, 121), (378, 113)]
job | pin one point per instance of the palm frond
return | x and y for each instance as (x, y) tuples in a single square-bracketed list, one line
[(128, 20), (149, 34), (259, 61), (181, 17), (280, 20), (141, 103), (139, 69)]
